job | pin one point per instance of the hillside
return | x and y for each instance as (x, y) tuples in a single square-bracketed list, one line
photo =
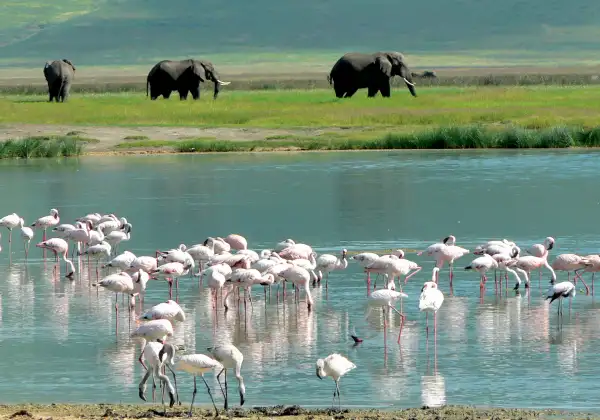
[(118, 32)]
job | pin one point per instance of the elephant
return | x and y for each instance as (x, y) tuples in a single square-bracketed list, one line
[(183, 76), (427, 74), (355, 71), (59, 75)]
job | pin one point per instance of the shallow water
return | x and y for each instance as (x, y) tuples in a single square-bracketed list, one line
[(58, 340)]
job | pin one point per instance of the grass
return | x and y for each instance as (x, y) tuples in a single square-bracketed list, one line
[(529, 107), (42, 147)]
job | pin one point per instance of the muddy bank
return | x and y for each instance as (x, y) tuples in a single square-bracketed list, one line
[(99, 411)]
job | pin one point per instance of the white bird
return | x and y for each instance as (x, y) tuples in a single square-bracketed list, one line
[(195, 365), (154, 330), (165, 310), (122, 261), (92, 217), (59, 246), (506, 260), (528, 263), (364, 259), (561, 290), (117, 283), (299, 277), (245, 278), (151, 356), (201, 254), (115, 237), (327, 263), (62, 230), (216, 275), (27, 235), (10, 222), (144, 262), (309, 265), (446, 251), (393, 266), (431, 300), (170, 271), (140, 281), (218, 245), (280, 246), (47, 221), (296, 251), (97, 251), (230, 358), (482, 265), (571, 262), (385, 299), (335, 365)]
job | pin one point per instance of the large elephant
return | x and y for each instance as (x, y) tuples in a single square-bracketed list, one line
[(59, 75), (184, 76), (355, 71)]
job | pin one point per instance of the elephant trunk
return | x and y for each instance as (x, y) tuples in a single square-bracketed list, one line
[(411, 86), (218, 83)]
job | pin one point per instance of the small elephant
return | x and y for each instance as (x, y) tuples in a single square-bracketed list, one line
[(355, 71), (427, 74), (184, 76), (59, 75)]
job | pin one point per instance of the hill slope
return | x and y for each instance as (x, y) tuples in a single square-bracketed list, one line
[(144, 31)]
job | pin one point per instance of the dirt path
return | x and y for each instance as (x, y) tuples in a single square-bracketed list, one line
[(110, 136)]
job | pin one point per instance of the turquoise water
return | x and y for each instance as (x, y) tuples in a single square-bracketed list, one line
[(57, 338)]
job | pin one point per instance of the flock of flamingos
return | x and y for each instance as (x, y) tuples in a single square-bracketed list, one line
[(228, 266)]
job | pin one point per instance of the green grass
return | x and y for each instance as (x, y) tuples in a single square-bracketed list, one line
[(529, 107), (42, 147), (458, 137)]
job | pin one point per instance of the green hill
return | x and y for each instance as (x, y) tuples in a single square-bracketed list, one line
[(120, 32)]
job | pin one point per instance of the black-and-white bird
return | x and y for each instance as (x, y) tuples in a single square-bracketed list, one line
[(561, 290)]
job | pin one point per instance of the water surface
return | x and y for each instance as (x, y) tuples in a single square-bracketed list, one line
[(58, 339)]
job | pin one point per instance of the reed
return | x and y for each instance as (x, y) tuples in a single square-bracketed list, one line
[(42, 147)]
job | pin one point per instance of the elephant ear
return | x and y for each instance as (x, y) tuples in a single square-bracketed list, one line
[(384, 65), (199, 71), (69, 63)]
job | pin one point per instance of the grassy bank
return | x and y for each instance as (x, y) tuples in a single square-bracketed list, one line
[(97, 411), (137, 84), (43, 147), (528, 107)]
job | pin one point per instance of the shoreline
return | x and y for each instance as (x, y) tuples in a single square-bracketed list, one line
[(60, 411)]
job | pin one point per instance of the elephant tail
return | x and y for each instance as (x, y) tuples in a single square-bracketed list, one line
[(147, 85)]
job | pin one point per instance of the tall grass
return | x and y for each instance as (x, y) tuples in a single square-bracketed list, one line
[(42, 147), (459, 137)]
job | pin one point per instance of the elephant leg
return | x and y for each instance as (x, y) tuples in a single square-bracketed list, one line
[(385, 89), (372, 92), (339, 91), (65, 91), (183, 94), (195, 91), (166, 94), (350, 92)]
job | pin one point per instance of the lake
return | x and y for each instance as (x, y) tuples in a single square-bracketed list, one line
[(58, 340)]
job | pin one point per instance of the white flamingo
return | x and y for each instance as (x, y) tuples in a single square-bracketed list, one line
[(482, 265), (327, 263), (118, 283), (46, 222), (561, 290), (122, 261), (151, 356), (144, 262), (170, 272), (165, 310), (335, 365), (115, 237), (10, 222), (299, 277), (154, 330), (431, 300), (237, 242), (230, 358), (27, 235), (195, 365), (385, 299), (217, 244), (59, 246), (447, 251), (572, 262)]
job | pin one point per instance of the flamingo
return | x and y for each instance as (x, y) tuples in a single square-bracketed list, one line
[(151, 355), (494, 247), (246, 278), (171, 271), (115, 237), (194, 364), (217, 244), (10, 222), (122, 261), (27, 235), (393, 266), (364, 259), (594, 267), (431, 300), (336, 366), (216, 276), (385, 298), (92, 217), (46, 222), (299, 277), (117, 283), (144, 262), (166, 310), (107, 225), (310, 265), (230, 358), (201, 254), (447, 251), (61, 230), (571, 262), (528, 263), (327, 263), (296, 251), (540, 250), (156, 329), (237, 242), (561, 290), (59, 246), (507, 259), (97, 251), (140, 281)]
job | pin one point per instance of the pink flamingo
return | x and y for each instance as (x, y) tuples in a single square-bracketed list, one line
[(393, 267), (594, 260), (540, 250), (59, 246), (170, 271), (431, 300), (571, 262), (385, 299), (483, 264), (46, 222), (528, 263), (327, 263), (299, 276), (447, 251), (10, 222), (236, 241)]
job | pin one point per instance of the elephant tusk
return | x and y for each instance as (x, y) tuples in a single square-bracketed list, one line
[(223, 83), (408, 83)]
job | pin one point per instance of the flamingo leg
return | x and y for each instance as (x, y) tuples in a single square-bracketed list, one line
[(210, 395), (587, 289)]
